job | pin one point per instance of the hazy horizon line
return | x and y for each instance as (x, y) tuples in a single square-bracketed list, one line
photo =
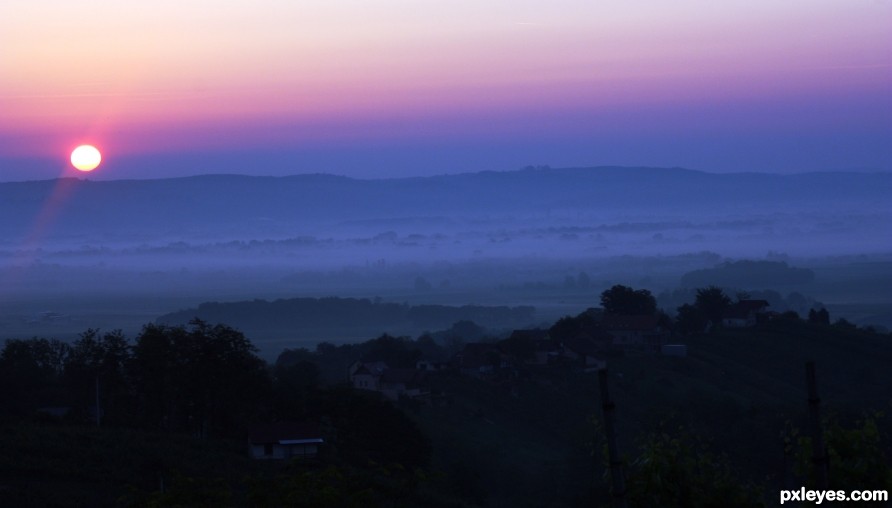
[(86, 177)]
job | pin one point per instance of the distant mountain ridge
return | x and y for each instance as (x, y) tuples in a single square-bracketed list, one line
[(237, 205)]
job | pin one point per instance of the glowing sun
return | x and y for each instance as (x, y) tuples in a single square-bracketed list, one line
[(86, 157)]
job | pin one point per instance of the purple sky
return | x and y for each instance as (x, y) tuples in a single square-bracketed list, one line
[(399, 88)]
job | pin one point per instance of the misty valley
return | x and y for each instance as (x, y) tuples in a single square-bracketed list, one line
[(78, 254), (443, 337)]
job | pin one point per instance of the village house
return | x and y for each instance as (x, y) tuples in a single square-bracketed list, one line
[(635, 333), (744, 313), (393, 383), (284, 441), (367, 375)]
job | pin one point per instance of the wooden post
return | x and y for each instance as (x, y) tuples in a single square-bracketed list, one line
[(98, 409), (819, 450), (616, 464)]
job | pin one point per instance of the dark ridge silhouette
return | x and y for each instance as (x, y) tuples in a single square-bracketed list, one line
[(237, 205)]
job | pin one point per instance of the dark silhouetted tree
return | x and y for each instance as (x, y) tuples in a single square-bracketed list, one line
[(790, 316), (571, 327), (690, 320), (203, 379), (101, 362), (625, 301), (394, 351), (430, 349), (519, 345), (664, 320), (712, 303), (845, 324), (821, 317), (293, 386), (371, 429), (155, 376), (30, 374)]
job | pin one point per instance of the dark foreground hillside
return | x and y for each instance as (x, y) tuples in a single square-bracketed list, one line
[(50, 464), (727, 423), (739, 394)]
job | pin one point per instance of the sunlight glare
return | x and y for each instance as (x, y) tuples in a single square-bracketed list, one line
[(86, 158)]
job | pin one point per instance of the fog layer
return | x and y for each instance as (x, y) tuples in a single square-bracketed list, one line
[(508, 238)]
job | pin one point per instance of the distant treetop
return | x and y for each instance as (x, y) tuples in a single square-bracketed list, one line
[(625, 301)]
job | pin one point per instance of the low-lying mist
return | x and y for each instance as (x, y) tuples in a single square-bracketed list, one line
[(77, 254)]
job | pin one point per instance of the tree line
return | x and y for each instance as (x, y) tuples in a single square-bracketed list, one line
[(207, 381), (325, 313)]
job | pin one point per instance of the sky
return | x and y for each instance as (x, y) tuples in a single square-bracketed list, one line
[(418, 87)]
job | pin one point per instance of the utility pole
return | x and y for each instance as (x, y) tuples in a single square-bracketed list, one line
[(819, 450), (616, 464), (98, 409)]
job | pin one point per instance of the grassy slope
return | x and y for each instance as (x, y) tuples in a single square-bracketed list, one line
[(737, 390), (56, 465), (740, 388), (529, 446)]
